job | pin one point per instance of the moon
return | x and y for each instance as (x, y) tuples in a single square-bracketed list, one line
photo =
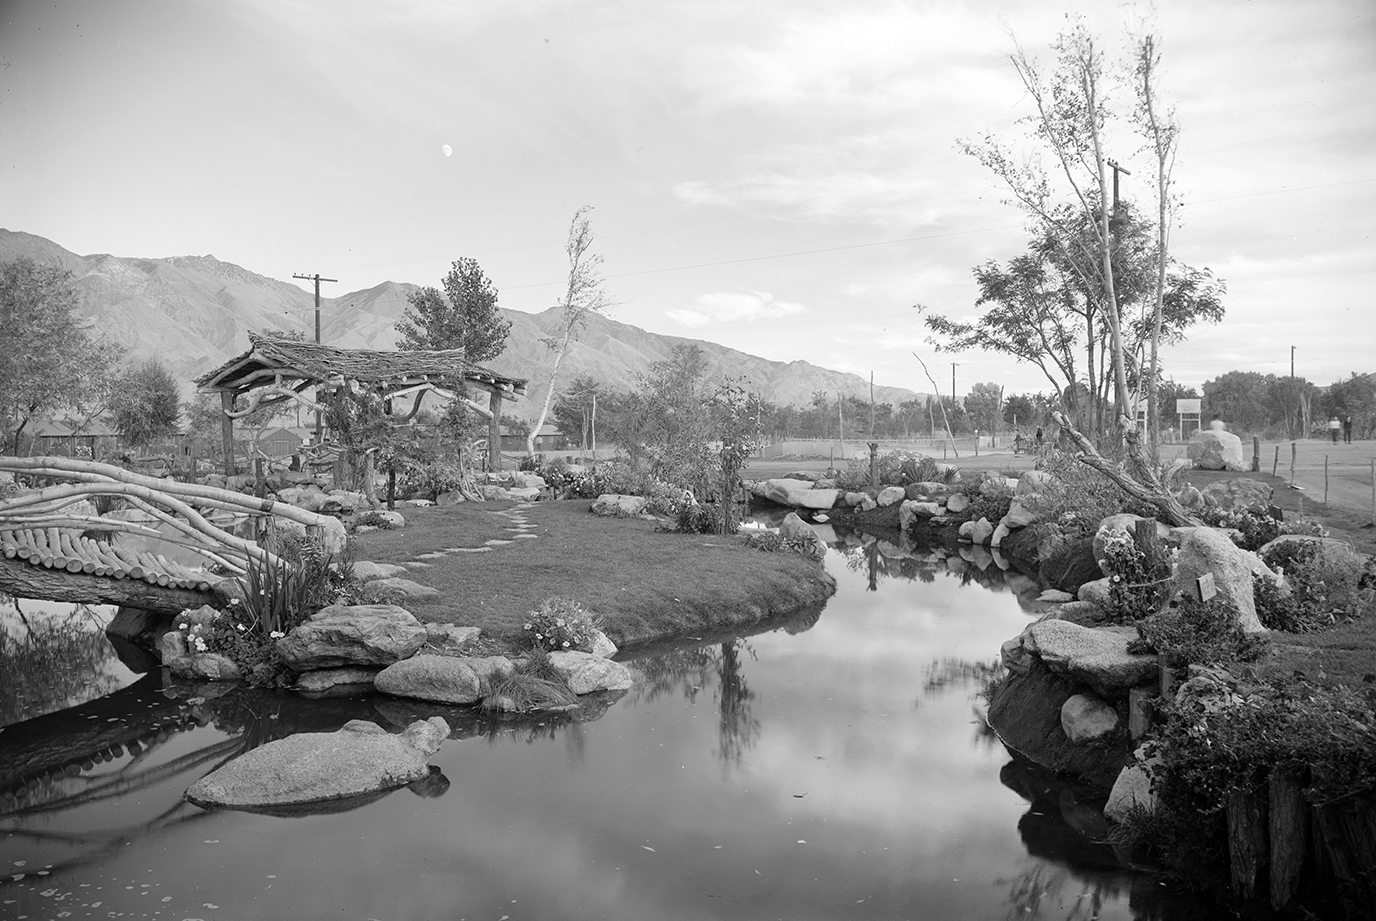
[(447, 150)]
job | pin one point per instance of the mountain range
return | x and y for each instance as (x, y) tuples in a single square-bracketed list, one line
[(195, 312)]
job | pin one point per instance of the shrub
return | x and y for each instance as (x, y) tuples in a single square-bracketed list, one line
[(773, 542), (561, 625), (1080, 496), (1322, 590), (1138, 584), (1196, 633), (372, 519)]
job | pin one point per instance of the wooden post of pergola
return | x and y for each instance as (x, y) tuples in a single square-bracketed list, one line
[(494, 431), (227, 430)]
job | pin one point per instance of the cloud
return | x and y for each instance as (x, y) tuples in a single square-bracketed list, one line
[(732, 307)]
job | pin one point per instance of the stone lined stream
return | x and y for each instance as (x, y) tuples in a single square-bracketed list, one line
[(834, 767)]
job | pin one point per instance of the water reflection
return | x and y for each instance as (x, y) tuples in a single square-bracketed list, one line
[(833, 765), (53, 655)]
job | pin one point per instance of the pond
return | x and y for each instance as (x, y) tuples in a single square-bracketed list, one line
[(834, 766)]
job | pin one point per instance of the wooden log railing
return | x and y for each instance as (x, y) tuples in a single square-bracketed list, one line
[(177, 505)]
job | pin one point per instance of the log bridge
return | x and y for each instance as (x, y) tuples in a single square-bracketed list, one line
[(53, 545)]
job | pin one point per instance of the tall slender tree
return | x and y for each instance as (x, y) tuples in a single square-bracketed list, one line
[(584, 296)]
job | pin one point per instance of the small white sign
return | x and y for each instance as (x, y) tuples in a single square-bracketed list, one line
[(1207, 589), (1187, 407)]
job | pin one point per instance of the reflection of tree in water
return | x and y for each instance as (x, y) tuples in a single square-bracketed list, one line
[(57, 661), (715, 669), (737, 728), (953, 674), (1044, 887)]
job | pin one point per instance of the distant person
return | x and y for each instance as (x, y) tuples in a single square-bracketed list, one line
[(1334, 427), (1040, 436), (1347, 430)]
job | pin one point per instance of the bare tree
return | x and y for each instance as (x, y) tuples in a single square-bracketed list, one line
[(583, 297), (1160, 129)]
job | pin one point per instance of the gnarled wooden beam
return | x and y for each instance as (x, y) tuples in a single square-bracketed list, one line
[(1152, 492)]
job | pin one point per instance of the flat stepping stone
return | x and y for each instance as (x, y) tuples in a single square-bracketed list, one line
[(473, 550), (432, 555), (416, 565), (495, 543), (527, 536)]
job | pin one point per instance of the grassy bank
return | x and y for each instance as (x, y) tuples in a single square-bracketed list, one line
[(645, 584)]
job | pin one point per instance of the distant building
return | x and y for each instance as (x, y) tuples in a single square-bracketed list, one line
[(548, 439), (64, 438), (284, 441)]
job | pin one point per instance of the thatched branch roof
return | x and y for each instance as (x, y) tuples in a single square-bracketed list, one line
[(270, 359)]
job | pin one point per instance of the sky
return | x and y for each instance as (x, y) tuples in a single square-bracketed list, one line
[(782, 178)]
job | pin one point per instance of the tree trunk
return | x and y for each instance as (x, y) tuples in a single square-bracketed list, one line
[(1151, 491), (1289, 827), (1246, 841)]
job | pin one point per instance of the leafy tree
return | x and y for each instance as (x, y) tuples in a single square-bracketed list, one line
[(583, 297), (983, 404), (50, 362), (144, 402), (1019, 410), (1240, 398), (464, 316), (1045, 308), (575, 411), (1354, 398)]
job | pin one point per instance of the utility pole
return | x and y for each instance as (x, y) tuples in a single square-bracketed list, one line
[(1294, 394), (317, 279), (953, 383), (1113, 165)]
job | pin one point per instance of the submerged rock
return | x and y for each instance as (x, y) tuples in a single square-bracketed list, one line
[(312, 767)]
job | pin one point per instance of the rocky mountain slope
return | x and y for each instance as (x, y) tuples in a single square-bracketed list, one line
[(194, 312)]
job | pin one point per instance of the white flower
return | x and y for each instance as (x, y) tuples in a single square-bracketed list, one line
[(276, 634)]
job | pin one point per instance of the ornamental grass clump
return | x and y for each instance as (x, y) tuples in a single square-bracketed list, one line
[(534, 685), (561, 625)]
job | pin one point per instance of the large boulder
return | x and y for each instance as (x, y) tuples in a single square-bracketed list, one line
[(315, 767), (1133, 789), (797, 493), (205, 666), (1209, 550), (611, 505), (361, 634), (1094, 656), (957, 503), (1329, 552), (1216, 449), (1035, 483), (450, 639), (911, 510), (585, 672), (1019, 515), (795, 528), (1085, 718), (1237, 493), (976, 532), (890, 495), (444, 679)]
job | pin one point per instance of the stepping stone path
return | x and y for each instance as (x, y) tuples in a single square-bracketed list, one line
[(520, 529)]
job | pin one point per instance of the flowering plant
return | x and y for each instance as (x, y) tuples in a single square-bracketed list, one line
[(1137, 586), (561, 625)]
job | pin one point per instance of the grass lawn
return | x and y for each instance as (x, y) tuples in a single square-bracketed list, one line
[(645, 584)]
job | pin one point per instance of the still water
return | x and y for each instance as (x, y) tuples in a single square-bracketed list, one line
[(834, 766)]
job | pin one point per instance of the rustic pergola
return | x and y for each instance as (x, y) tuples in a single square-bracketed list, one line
[(275, 370)]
